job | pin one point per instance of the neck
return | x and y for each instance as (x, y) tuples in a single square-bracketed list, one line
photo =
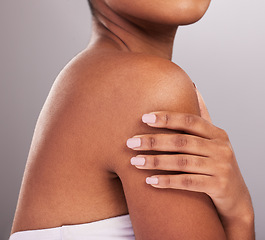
[(109, 30)]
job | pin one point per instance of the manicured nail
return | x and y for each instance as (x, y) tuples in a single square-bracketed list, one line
[(151, 180), (149, 118), (133, 142), (138, 161)]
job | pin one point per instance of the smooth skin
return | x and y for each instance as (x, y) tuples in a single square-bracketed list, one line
[(207, 164), (77, 169)]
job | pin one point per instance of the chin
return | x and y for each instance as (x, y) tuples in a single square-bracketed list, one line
[(190, 11), (171, 12)]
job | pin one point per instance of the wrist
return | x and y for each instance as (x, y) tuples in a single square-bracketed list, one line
[(241, 227), (244, 219), (241, 213)]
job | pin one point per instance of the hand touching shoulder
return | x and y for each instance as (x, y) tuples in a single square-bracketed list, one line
[(141, 84)]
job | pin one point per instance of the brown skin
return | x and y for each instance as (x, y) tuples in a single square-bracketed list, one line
[(142, 26), (78, 167), (207, 156)]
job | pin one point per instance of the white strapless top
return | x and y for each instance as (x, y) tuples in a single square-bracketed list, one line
[(114, 228)]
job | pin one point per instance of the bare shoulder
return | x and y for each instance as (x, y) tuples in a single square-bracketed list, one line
[(131, 85), (123, 86), (135, 73), (113, 89), (136, 67)]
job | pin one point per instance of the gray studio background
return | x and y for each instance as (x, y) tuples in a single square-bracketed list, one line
[(224, 54)]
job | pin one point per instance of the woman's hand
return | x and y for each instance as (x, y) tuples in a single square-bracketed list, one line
[(205, 158)]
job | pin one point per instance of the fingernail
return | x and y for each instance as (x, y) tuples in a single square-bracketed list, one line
[(152, 180), (137, 161), (149, 118), (133, 142), (194, 84)]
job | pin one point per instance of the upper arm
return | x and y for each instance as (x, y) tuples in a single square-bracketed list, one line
[(160, 213)]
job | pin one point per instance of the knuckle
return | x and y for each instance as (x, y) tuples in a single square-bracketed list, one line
[(223, 151), (180, 141), (226, 151), (151, 142), (212, 133), (181, 161), (199, 162), (167, 181), (189, 120), (156, 162), (166, 119), (187, 181), (224, 134)]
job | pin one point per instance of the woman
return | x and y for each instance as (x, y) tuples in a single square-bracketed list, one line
[(79, 182)]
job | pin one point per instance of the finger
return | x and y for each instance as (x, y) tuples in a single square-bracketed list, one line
[(203, 109), (176, 162), (190, 182), (187, 122), (183, 143)]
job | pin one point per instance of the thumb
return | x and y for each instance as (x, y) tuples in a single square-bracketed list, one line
[(203, 109)]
